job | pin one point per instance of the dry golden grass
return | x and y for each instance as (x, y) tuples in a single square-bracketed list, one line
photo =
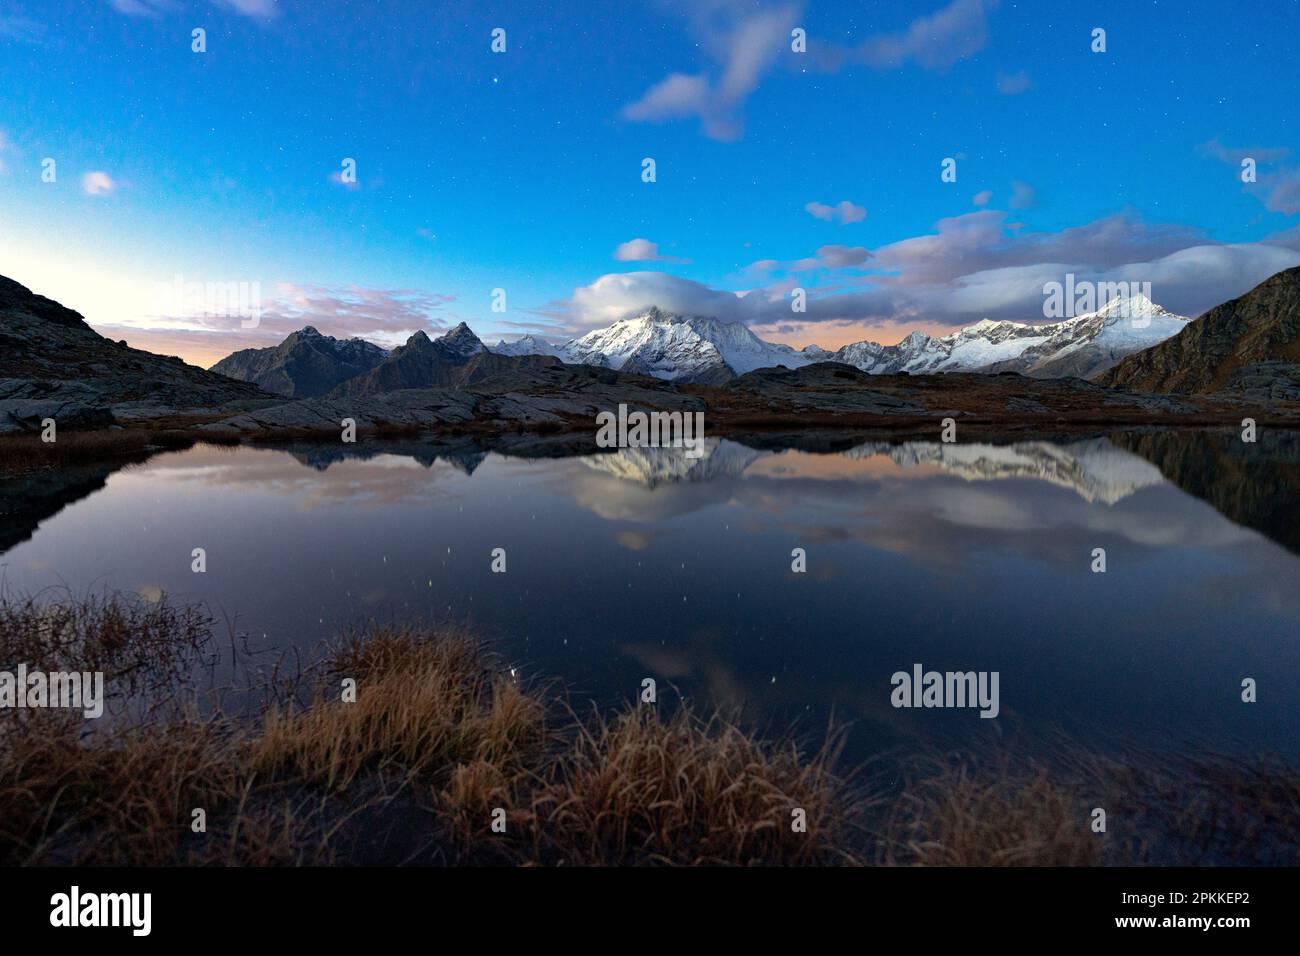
[(422, 707), (954, 814), (442, 733), (642, 788), (125, 800)]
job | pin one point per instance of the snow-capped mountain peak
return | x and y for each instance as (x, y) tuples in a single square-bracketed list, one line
[(692, 348), (685, 348)]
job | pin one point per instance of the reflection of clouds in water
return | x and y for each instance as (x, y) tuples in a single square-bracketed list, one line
[(384, 479), (941, 505), (919, 498), (635, 540), (1095, 470)]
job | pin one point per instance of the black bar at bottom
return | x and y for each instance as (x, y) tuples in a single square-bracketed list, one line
[(330, 906)]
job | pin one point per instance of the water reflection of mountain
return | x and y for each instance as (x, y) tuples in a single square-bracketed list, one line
[(1254, 484), (655, 466), (1095, 470), (27, 501)]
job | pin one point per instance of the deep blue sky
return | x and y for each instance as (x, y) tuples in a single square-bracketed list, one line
[(522, 170)]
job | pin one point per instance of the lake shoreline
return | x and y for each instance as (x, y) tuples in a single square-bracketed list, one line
[(411, 745)]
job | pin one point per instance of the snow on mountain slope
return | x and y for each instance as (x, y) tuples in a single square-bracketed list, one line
[(668, 346), (703, 349), (650, 344), (1093, 343), (528, 345), (1095, 470), (1081, 346), (741, 349), (652, 467)]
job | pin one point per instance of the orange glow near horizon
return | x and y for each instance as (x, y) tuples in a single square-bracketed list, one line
[(834, 335)]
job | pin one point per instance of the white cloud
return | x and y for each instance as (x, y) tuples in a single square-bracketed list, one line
[(141, 8), (935, 42), (833, 256), (642, 250), (252, 8), (1023, 196), (1277, 189), (845, 211), (982, 198), (97, 183), (974, 267), (153, 8), (742, 47)]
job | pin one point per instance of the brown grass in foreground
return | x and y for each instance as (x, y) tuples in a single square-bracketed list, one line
[(952, 814), (442, 734)]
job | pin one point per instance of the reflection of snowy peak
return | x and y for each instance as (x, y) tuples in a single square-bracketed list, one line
[(654, 466), (1096, 470)]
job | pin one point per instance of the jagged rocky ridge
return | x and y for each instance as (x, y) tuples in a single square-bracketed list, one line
[(304, 365)]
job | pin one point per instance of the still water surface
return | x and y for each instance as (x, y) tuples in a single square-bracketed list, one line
[(643, 563)]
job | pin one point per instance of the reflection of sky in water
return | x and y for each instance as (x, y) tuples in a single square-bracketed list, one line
[(641, 564)]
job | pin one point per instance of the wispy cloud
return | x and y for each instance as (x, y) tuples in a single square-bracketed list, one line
[(252, 8), (935, 42), (1023, 196), (1234, 155), (142, 8), (1277, 189), (742, 46), (744, 41), (22, 29), (643, 250), (832, 257), (337, 179), (1013, 84), (844, 211), (261, 9), (387, 317)]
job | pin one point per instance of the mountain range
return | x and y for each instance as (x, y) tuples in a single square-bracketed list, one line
[(703, 350), (52, 364)]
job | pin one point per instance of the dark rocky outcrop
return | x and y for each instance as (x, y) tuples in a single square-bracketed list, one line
[(421, 363), (304, 365), (1245, 346), (54, 365)]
